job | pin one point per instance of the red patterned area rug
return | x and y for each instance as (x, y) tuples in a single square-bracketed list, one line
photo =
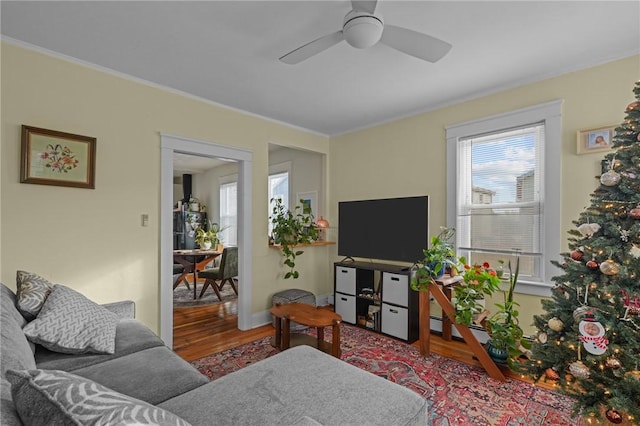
[(459, 394)]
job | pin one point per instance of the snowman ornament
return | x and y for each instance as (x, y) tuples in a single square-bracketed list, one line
[(592, 335)]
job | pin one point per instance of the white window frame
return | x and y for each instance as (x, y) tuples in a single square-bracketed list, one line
[(551, 114), (273, 170), (225, 180)]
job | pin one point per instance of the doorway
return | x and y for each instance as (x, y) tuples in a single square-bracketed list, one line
[(171, 144)]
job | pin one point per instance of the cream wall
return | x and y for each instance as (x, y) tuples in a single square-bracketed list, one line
[(407, 157), (92, 240)]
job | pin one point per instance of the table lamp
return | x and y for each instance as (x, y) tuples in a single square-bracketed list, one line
[(323, 224)]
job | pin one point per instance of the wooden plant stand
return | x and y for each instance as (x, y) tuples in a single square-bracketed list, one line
[(448, 318)]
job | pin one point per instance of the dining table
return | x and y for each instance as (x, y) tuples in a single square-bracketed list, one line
[(194, 259)]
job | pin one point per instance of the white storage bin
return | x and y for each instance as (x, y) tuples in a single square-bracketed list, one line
[(346, 280), (395, 321), (345, 306), (395, 288)]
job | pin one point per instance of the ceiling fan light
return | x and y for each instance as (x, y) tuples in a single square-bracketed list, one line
[(363, 31)]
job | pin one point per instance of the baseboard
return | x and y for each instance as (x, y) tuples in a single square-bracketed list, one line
[(324, 299), (260, 318)]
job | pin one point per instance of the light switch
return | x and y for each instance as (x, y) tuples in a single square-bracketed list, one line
[(144, 219)]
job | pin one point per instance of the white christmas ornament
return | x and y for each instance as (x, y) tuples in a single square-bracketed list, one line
[(555, 324), (588, 229), (542, 337), (592, 336), (634, 251), (609, 267), (578, 369), (610, 178)]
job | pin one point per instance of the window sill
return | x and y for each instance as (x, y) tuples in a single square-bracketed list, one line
[(534, 288), (313, 244)]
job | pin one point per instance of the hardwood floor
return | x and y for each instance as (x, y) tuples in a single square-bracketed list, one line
[(202, 331)]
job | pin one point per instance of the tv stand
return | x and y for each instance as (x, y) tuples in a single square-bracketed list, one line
[(378, 297)]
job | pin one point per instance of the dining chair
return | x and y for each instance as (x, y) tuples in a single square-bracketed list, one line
[(224, 273), (180, 276)]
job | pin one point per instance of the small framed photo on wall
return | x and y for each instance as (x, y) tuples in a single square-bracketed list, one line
[(50, 157), (595, 140)]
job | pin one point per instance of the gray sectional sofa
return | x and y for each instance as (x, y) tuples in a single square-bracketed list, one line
[(300, 386)]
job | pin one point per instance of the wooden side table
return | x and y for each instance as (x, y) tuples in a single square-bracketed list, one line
[(310, 316)]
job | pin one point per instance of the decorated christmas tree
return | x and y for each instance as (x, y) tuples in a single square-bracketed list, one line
[(588, 340)]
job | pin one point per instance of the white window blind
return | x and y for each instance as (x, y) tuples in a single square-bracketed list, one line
[(229, 213)]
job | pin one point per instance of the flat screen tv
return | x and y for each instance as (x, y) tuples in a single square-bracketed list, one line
[(394, 229)]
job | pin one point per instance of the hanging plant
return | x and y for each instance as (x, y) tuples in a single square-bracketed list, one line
[(290, 229)]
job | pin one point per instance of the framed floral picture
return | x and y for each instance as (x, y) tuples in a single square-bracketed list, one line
[(49, 157), (595, 140)]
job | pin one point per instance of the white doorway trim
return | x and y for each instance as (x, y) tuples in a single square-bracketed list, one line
[(168, 145)]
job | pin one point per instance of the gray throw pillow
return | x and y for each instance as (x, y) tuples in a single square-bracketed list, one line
[(70, 323), (47, 397), (32, 291)]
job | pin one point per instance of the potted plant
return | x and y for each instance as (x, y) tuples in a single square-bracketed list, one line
[(436, 260), (503, 327), (478, 281), (194, 204), (292, 228), (209, 238)]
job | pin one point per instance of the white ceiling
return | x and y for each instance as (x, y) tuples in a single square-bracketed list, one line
[(227, 51)]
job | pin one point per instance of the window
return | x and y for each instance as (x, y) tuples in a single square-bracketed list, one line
[(229, 212), (503, 191), (279, 186)]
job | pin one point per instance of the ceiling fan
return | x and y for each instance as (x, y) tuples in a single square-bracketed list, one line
[(362, 28)]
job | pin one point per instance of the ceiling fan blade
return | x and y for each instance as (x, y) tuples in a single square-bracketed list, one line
[(368, 6), (416, 44), (313, 48)]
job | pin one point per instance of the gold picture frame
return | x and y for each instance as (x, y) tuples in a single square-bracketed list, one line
[(49, 157), (595, 140)]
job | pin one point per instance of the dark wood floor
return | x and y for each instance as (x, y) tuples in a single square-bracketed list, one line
[(202, 331)]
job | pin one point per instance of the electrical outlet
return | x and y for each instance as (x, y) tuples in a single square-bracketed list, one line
[(144, 219)]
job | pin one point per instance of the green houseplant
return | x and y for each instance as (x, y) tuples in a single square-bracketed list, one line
[(506, 342), (290, 229), (209, 238), (436, 260), (478, 281)]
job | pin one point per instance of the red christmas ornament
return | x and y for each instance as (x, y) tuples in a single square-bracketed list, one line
[(592, 264), (632, 105), (613, 416), (551, 374), (634, 213), (578, 255)]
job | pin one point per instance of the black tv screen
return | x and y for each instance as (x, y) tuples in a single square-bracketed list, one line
[(393, 229)]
